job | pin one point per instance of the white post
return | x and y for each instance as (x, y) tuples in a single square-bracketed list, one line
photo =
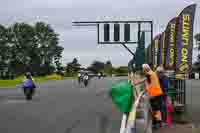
[(123, 123)]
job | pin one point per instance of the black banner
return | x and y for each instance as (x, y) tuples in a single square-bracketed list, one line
[(184, 42), (161, 50), (170, 43), (156, 43)]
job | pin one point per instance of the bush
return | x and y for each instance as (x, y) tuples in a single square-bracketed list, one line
[(55, 77), (121, 74), (60, 73)]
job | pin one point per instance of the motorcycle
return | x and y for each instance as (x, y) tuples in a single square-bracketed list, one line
[(29, 92), (79, 79), (29, 89), (85, 80)]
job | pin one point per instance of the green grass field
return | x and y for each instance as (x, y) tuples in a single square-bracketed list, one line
[(19, 80), (7, 83), (195, 130)]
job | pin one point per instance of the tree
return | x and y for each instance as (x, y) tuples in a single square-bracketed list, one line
[(47, 44), (33, 48), (75, 61), (108, 63), (97, 66), (108, 69), (4, 48), (197, 64), (73, 67), (57, 57), (122, 70), (21, 40), (197, 37), (27, 47)]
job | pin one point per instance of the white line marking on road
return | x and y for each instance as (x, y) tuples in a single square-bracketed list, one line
[(13, 102)]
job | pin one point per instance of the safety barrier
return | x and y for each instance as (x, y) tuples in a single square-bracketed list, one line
[(6, 75), (139, 120), (177, 92)]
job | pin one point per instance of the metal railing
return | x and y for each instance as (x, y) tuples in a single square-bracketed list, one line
[(177, 92), (139, 120)]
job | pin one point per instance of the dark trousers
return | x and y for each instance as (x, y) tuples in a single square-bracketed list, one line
[(163, 107), (156, 107), (29, 90)]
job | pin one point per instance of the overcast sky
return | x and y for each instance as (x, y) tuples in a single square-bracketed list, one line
[(82, 43)]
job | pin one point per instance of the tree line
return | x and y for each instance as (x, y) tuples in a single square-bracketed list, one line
[(26, 47), (196, 65), (72, 68)]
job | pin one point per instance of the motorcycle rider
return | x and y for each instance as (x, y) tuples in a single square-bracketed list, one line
[(85, 79), (79, 78), (99, 75), (28, 86)]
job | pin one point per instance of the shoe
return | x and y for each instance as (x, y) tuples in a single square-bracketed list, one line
[(156, 126)]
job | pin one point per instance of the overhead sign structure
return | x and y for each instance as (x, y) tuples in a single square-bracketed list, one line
[(116, 32), (119, 32)]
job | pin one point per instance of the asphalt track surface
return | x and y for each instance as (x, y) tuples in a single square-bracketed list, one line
[(193, 101), (66, 107), (60, 107)]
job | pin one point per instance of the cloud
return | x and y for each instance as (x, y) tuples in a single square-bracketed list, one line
[(82, 42)]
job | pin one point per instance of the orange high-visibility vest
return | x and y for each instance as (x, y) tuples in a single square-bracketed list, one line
[(153, 88)]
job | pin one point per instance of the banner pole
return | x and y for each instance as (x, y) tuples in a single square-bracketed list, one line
[(128, 49), (123, 123)]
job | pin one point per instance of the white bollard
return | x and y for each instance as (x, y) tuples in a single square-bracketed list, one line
[(196, 75), (123, 123)]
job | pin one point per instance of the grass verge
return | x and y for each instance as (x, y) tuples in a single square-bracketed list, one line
[(19, 80)]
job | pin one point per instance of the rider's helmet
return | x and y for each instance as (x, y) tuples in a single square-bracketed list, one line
[(79, 75), (28, 75), (86, 76)]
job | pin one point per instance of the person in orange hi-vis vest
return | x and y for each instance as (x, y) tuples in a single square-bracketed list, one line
[(153, 89)]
